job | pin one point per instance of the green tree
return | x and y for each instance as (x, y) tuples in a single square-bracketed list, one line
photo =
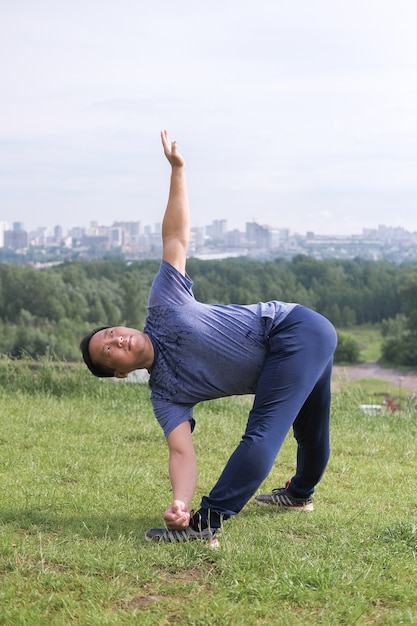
[(400, 345)]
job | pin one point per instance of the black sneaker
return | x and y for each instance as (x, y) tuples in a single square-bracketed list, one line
[(209, 535), (281, 497)]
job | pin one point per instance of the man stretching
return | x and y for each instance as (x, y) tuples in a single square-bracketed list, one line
[(280, 352)]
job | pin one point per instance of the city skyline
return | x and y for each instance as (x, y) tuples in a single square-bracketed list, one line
[(134, 241), (212, 229), (296, 114)]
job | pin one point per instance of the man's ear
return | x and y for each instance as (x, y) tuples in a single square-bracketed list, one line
[(120, 375)]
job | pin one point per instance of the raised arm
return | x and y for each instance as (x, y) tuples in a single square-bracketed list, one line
[(176, 222)]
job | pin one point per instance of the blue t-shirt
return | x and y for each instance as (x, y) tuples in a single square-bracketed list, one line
[(202, 351)]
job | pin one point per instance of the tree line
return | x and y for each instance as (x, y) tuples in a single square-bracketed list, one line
[(47, 311)]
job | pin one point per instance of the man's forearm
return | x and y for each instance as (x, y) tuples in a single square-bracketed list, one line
[(176, 221), (183, 475)]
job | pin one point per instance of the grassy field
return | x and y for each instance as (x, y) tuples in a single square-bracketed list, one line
[(83, 475), (368, 338)]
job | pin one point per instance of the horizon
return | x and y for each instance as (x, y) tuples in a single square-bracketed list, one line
[(155, 228)]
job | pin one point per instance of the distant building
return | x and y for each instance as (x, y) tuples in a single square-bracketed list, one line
[(76, 234), (234, 238), (3, 227), (116, 237), (58, 234), (16, 239), (129, 236), (197, 237), (258, 236), (38, 237), (275, 238), (97, 230), (95, 241), (217, 230)]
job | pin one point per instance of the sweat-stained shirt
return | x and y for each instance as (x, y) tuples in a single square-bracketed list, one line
[(202, 351)]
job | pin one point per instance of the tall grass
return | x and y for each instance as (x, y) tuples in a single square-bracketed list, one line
[(83, 475)]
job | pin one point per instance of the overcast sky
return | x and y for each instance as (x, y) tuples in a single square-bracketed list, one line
[(300, 114)]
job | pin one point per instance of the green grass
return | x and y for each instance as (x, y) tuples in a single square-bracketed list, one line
[(83, 475)]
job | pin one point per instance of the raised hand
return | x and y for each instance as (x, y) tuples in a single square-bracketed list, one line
[(171, 150)]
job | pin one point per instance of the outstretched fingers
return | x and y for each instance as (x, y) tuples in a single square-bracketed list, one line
[(171, 150)]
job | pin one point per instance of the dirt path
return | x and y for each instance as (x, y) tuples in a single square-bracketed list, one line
[(402, 380)]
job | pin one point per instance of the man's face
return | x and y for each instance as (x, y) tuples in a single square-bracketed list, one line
[(117, 348)]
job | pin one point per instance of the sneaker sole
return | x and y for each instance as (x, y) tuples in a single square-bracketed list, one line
[(157, 535), (304, 507)]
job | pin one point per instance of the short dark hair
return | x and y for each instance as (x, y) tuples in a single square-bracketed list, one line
[(95, 368)]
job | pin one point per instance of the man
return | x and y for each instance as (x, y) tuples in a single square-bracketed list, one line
[(281, 352)]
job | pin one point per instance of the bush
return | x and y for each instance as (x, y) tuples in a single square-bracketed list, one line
[(400, 350), (347, 350)]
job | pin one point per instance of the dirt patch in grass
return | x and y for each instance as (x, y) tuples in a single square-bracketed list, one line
[(405, 380), (152, 596), (142, 602)]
